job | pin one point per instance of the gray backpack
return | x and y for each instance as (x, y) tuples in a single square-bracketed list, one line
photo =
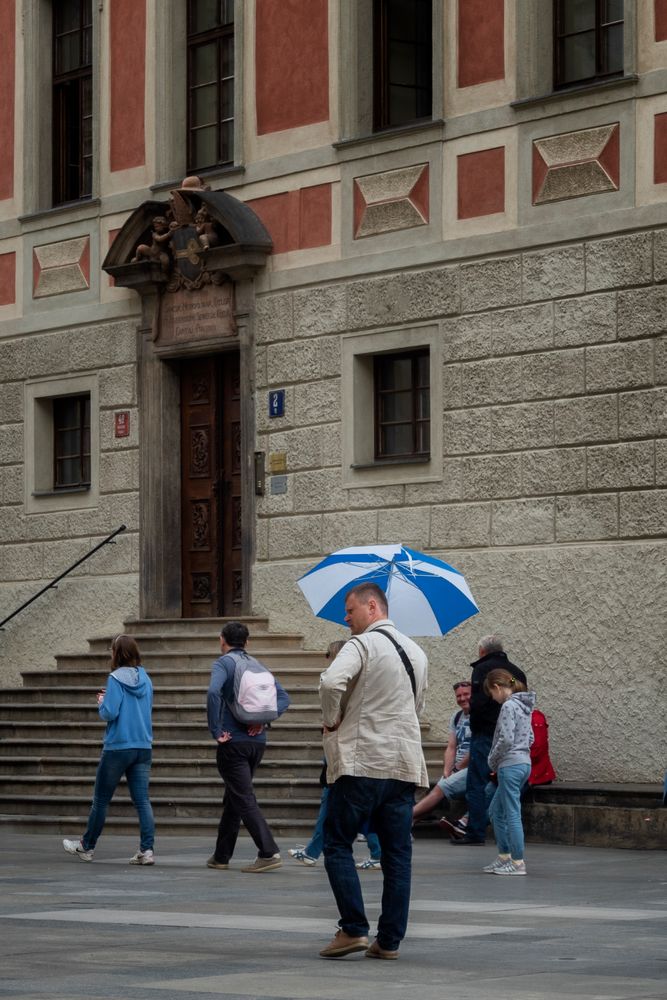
[(255, 698)]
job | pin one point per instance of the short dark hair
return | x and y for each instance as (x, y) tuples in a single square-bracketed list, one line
[(235, 634), (462, 684), (124, 652), (365, 591)]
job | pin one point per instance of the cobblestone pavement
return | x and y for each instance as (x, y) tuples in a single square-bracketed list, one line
[(585, 924)]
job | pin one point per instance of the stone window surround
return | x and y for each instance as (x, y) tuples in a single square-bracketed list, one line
[(171, 94), (38, 441), (37, 109), (535, 42), (357, 404)]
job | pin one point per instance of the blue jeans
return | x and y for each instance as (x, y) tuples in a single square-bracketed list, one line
[(136, 766), (505, 809), (477, 780), (388, 805), (314, 847)]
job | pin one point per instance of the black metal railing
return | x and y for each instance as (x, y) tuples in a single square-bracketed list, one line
[(109, 540)]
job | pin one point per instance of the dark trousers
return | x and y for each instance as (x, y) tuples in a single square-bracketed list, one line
[(477, 780), (388, 805), (237, 763)]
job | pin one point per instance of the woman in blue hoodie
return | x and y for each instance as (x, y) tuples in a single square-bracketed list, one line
[(125, 705), (509, 759)]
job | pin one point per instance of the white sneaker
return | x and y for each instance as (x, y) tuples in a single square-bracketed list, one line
[(368, 864), (498, 863), (143, 858), (299, 854), (76, 847), (512, 868)]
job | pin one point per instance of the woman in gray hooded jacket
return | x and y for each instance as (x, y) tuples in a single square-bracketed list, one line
[(509, 758)]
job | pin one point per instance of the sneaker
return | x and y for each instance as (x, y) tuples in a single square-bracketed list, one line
[(500, 861), (369, 864), (466, 841), (299, 854), (263, 864), (453, 829), (76, 847), (375, 951), (342, 944), (512, 868), (220, 865), (143, 858)]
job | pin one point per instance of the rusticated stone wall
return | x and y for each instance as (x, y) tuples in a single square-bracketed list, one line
[(36, 546), (553, 497)]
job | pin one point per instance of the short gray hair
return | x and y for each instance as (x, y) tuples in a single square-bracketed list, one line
[(491, 644)]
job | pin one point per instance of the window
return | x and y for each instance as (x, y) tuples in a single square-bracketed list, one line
[(402, 406), (71, 442), (402, 62), (588, 40), (72, 100), (210, 83)]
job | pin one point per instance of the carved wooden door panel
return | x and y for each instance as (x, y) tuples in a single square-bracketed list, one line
[(210, 486)]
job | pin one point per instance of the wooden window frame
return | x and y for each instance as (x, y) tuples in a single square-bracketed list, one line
[(381, 81), (62, 87), (82, 454), (601, 72), (415, 421), (194, 41)]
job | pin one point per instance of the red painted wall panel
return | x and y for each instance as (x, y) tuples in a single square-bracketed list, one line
[(7, 85), (296, 220), (127, 40), (660, 151), (291, 63), (481, 183), (7, 278), (660, 20), (481, 41)]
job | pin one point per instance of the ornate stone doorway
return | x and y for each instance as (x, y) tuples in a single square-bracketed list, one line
[(211, 491)]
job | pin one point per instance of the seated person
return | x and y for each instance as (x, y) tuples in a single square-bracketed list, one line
[(452, 785)]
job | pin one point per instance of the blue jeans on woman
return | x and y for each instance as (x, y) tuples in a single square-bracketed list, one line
[(135, 764), (505, 810), (387, 804), (314, 847)]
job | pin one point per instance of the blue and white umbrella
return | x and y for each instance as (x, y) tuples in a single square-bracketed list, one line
[(425, 596)]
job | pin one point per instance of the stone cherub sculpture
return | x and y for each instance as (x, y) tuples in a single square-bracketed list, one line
[(161, 235), (205, 228)]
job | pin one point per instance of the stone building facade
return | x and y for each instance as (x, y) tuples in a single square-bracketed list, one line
[(515, 237)]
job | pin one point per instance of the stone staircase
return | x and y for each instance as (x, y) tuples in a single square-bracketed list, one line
[(51, 734)]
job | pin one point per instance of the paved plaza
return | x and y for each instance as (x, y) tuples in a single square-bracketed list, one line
[(586, 923)]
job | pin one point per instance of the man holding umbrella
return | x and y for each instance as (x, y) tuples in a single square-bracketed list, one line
[(372, 695)]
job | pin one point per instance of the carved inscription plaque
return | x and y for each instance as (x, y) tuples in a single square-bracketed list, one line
[(205, 314)]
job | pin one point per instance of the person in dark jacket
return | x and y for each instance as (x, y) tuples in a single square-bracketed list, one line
[(484, 714), (126, 705), (240, 748)]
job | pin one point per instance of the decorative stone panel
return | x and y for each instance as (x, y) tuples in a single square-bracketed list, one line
[(575, 164), (61, 267), (392, 200)]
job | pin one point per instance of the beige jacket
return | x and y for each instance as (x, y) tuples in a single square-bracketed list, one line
[(368, 686)]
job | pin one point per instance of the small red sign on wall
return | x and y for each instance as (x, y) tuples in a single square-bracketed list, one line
[(122, 429)]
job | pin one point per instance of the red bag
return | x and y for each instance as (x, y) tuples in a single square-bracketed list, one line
[(541, 772)]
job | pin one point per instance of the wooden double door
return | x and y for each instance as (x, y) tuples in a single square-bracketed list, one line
[(211, 517)]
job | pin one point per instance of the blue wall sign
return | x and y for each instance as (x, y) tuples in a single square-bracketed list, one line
[(277, 403)]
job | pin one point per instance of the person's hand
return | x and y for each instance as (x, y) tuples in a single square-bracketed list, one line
[(100, 695), (332, 729), (255, 729), (225, 738)]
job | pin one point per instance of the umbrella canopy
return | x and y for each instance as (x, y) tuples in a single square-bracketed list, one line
[(425, 595)]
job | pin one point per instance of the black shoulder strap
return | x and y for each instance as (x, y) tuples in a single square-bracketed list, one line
[(404, 657), (457, 717)]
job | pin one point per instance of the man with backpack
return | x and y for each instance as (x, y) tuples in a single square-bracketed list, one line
[(243, 699)]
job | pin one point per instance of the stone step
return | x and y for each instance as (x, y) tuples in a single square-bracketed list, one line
[(70, 824), (282, 805), (275, 659), (300, 694), (181, 714), (206, 643), (95, 674), (191, 626), (162, 786)]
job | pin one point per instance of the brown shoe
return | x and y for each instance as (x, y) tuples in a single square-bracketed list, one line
[(375, 951), (263, 864), (342, 944), (220, 865)]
